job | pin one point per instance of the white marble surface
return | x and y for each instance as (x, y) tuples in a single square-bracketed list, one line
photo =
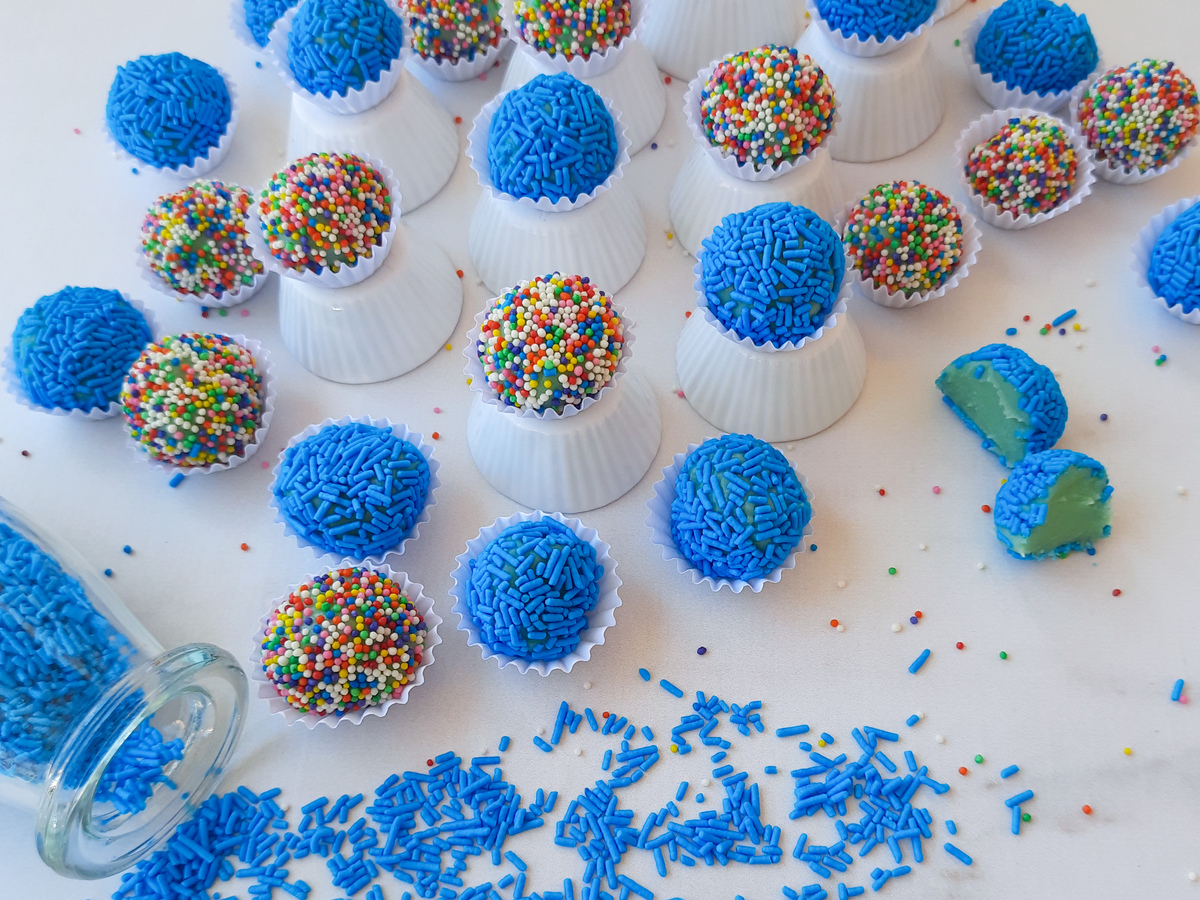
[(1088, 673)]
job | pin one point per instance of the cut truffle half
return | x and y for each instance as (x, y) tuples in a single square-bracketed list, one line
[(1054, 502)]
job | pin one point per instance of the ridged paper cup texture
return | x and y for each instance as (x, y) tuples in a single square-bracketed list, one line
[(262, 361), (659, 523), (346, 275), (998, 93), (853, 45), (379, 328), (460, 69), (398, 430), (685, 35), (598, 621), (984, 129), (1144, 248), (354, 100), (866, 288), (201, 166), (888, 105), (278, 706), (595, 64), (12, 382)]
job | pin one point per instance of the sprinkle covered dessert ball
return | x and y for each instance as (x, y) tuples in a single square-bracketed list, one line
[(261, 16), (552, 137), (878, 19), (1174, 271), (356, 489), (905, 236), (1054, 502), (1026, 168), (1036, 46), (168, 111), (1008, 399), (1140, 117), (571, 28), (739, 508), (767, 106), (772, 274), (324, 211), (194, 400), (453, 29), (195, 239), (531, 589), (72, 348), (337, 46), (550, 342), (343, 641)]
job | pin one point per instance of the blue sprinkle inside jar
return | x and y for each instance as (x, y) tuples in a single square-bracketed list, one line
[(261, 16), (337, 46), (1036, 46), (877, 19), (1174, 272)]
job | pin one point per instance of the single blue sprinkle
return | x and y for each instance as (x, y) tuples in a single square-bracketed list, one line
[(1177, 690), (1065, 317), (1103, 417), (914, 620), (670, 688), (127, 550), (912, 720), (770, 770), (257, 65), (134, 170), (654, 145), (645, 673), (791, 731), (699, 798), (1007, 772), (700, 651), (504, 743), (916, 664), (826, 737), (812, 547), (541, 744), (1010, 331), (957, 854), (108, 573), (1018, 799), (176, 480), (951, 827)]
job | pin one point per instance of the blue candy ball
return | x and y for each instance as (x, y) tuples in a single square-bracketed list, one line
[(878, 19), (1023, 503), (169, 110), (73, 348), (336, 46), (739, 509), (1036, 46), (552, 137), (772, 274), (261, 16), (1174, 271)]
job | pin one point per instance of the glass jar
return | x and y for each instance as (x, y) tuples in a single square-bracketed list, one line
[(112, 740)]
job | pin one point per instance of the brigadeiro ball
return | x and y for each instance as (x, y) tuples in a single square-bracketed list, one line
[(875, 19), (261, 16), (338, 46), (1036, 46), (1028, 167), (571, 28), (1174, 272), (453, 29)]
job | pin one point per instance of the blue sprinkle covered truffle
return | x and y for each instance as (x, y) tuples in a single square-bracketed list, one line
[(878, 19), (261, 16), (337, 46), (772, 274), (552, 137), (355, 490), (739, 509), (1174, 271), (1036, 46), (1012, 402), (73, 348), (169, 110), (531, 590), (1054, 502)]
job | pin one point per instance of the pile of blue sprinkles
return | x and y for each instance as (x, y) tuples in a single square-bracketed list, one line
[(261, 16), (1036, 46), (338, 46), (878, 19), (739, 509), (772, 274), (1174, 272), (354, 490)]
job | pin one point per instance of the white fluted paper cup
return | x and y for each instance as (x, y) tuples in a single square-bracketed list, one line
[(1144, 248), (278, 706), (947, 8), (988, 126), (659, 523), (460, 69), (399, 430), (578, 66), (598, 620), (853, 45)]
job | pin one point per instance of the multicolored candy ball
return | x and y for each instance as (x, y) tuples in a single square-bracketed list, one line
[(453, 29), (324, 211), (905, 237), (195, 239), (550, 342), (1026, 168), (1140, 117), (346, 640), (767, 106), (571, 28), (194, 400)]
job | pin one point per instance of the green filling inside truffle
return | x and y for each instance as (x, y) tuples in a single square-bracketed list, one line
[(991, 404), (1075, 514)]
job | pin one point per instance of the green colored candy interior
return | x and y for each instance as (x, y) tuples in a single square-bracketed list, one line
[(990, 402), (1074, 514)]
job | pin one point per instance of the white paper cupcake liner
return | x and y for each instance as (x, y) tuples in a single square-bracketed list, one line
[(280, 707), (1143, 249), (477, 153), (382, 327), (685, 35), (595, 64), (201, 166), (1113, 172), (888, 105), (659, 523), (12, 383), (398, 430), (985, 128), (598, 620), (729, 164), (853, 45), (345, 275), (998, 93), (354, 100), (262, 360), (459, 69), (899, 300), (947, 8)]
